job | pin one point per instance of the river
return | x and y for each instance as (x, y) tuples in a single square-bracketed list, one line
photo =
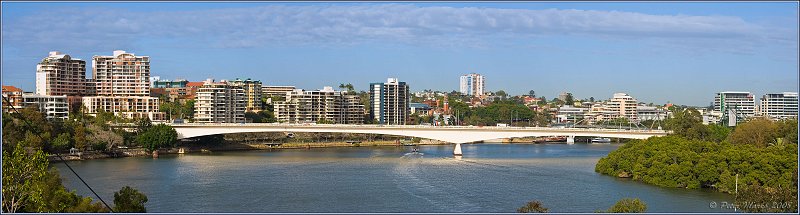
[(488, 178)]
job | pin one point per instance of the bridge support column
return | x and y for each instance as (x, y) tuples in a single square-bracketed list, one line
[(457, 150), (570, 139)]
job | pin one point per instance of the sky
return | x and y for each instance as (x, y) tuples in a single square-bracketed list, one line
[(666, 52)]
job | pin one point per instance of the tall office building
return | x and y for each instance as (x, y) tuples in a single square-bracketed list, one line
[(324, 105), (472, 84), (623, 105), (122, 86), (389, 102), (219, 102), (252, 93), (738, 105), (779, 105)]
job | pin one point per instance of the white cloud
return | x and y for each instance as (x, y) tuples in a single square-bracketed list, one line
[(103, 28)]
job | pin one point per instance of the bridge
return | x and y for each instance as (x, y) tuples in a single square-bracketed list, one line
[(452, 134)]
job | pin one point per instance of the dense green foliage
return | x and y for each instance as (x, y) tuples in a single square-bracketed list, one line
[(29, 185), (532, 207), (628, 205), (677, 162), (158, 136), (763, 153), (129, 200)]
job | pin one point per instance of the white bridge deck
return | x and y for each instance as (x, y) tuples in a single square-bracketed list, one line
[(453, 134)]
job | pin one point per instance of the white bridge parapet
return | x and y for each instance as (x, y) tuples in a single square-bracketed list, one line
[(452, 134)]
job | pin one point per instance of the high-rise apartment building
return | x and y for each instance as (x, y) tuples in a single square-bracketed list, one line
[(324, 105), (389, 102), (122, 86), (278, 92), (741, 104), (252, 93), (59, 74), (123, 74), (779, 105), (623, 105), (472, 84), (219, 102)]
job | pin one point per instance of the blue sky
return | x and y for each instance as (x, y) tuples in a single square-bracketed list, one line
[(657, 52)]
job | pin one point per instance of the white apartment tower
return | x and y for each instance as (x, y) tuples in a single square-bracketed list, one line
[(252, 93), (389, 102), (324, 105), (219, 102), (123, 74), (623, 105), (779, 105), (742, 104), (122, 86), (59, 74), (472, 84)]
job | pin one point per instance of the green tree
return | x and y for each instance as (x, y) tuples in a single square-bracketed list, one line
[(569, 100), (751, 199), (80, 138), (532, 94), (21, 171), (502, 94), (759, 132), (158, 136), (143, 124), (62, 143), (532, 207), (628, 205), (129, 200)]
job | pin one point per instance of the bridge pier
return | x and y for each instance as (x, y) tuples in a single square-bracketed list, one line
[(457, 150), (570, 139)]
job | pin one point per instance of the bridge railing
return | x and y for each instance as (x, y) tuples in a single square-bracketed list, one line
[(414, 126)]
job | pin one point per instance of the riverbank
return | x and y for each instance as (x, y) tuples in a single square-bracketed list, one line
[(229, 146)]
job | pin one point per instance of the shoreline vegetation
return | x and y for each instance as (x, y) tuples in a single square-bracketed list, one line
[(756, 161)]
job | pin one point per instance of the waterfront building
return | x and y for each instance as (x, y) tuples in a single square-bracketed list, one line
[(219, 102), (623, 106), (13, 95), (472, 84), (389, 102), (779, 105), (252, 93), (570, 114), (122, 74), (59, 74), (53, 107), (738, 105), (130, 107), (278, 92), (122, 86), (320, 106)]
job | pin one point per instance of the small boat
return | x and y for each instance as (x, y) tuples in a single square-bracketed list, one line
[(601, 140)]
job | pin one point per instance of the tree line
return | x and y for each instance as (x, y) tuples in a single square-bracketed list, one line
[(30, 184), (760, 154)]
